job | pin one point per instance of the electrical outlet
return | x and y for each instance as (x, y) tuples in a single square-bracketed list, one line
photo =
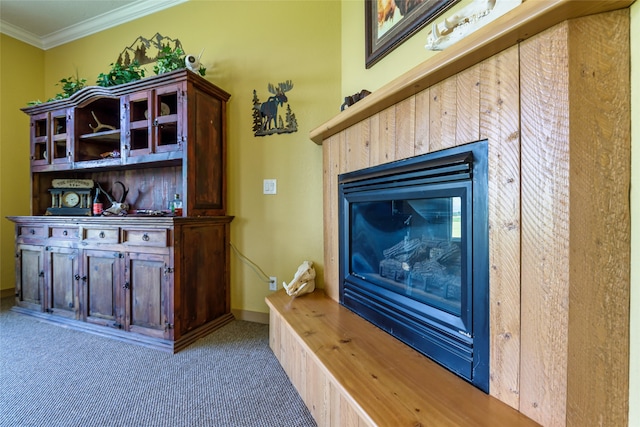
[(273, 283)]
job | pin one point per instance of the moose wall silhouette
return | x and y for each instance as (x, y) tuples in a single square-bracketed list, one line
[(266, 120)]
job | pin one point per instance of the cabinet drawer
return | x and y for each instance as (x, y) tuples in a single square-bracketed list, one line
[(64, 232), (32, 231), (101, 235), (142, 237)]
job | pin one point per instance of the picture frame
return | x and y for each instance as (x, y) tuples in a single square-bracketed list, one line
[(388, 23)]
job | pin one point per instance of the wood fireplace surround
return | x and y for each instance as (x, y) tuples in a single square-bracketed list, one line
[(548, 85)]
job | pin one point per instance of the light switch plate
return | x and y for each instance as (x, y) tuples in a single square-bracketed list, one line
[(269, 186)]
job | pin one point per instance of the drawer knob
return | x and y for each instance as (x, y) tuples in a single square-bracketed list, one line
[(101, 235), (32, 231), (145, 237), (65, 232)]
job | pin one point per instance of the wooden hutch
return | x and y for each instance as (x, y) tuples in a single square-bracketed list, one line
[(149, 277)]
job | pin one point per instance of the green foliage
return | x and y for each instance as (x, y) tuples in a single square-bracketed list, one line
[(119, 74), (169, 60), (70, 85)]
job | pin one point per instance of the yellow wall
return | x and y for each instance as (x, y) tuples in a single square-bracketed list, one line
[(248, 44), (18, 84)]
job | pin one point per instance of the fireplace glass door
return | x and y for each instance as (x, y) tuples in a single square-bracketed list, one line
[(414, 254), (412, 247)]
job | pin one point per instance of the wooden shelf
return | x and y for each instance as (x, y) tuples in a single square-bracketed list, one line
[(526, 20), (106, 135)]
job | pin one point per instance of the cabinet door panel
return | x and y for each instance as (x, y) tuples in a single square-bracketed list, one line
[(207, 189), (147, 298), (167, 126), (30, 277), (40, 139), (102, 270), (63, 282)]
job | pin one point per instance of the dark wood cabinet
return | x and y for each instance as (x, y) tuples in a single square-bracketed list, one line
[(158, 280), (30, 275)]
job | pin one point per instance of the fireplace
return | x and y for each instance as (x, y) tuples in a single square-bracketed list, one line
[(414, 254)]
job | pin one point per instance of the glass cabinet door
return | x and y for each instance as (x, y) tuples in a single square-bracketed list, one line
[(40, 139), (166, 122), (138, 118), (61, 123), (153, 120)]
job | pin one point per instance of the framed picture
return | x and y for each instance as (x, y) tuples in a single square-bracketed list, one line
[(388, 23)]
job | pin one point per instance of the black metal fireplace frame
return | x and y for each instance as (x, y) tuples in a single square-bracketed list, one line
[(459, 343)]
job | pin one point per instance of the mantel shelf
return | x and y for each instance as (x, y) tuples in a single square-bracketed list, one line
[(526, 20)]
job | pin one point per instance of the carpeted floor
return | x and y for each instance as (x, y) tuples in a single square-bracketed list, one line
[(53, 376)]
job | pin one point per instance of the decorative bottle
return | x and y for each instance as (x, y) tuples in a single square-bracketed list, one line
[(97, 205), (176, 205)]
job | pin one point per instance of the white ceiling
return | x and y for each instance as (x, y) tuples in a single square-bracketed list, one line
[(49, 23)]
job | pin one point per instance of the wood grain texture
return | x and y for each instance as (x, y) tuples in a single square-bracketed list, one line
[(599, 269), (422, 141), (330, 165), (467, 106), (383, 136), (380, 380), (545, 229), (405, 128), (356, 141), (499, 117)]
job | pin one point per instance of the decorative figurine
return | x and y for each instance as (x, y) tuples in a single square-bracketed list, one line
[(304, 281), (350, 100), (117, 208)]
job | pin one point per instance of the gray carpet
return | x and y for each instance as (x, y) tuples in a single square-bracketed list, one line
[(53, 376)]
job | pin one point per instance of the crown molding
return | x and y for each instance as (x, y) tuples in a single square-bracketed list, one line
[(20, 34), (90, 26)]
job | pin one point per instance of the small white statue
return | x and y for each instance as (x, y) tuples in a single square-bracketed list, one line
[(472, 17), (304, 281)]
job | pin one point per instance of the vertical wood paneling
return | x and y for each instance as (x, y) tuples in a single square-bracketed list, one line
[(467, 105), (274, 333), (442, 114), (383, 132), (336, 409), (405, 128), (556, 362), (422, 100), (599, 243), (357, 147), (500, 124), (331, 162), (314, 391), (545, 229)]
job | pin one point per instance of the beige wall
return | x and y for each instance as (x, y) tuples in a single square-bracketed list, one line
[(248, 44)]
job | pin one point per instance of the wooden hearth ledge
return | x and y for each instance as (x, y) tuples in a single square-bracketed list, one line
[(350, 373)]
